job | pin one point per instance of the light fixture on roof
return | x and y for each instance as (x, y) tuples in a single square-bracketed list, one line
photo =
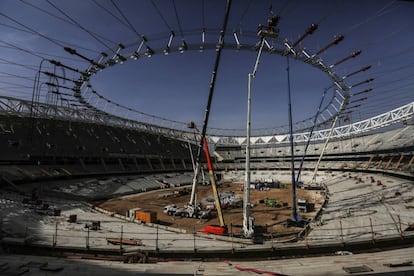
[(135, 56), (167, 49), (203, 36), (183, 47), (149, 52), (236, 39), (117, 56), (100, 63), (121, 58)]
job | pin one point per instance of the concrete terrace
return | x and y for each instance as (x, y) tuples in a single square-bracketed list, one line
[(358, 209)]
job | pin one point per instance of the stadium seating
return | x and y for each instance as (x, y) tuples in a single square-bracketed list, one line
[(33, 149), (41, 148)]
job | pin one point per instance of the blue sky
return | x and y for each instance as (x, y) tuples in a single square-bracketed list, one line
[(176, 86)]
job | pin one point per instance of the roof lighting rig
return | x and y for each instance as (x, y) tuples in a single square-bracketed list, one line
[(269, 36), (136, 54), (203, 40), (183, 47), (168, 48)]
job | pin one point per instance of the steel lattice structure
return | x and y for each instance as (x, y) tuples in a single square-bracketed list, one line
[(21, 108), (87, 96)]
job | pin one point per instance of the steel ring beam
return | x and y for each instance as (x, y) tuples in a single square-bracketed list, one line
[(87, 96)]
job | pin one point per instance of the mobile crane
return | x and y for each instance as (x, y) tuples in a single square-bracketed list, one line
[(220, 229), (194, 210)]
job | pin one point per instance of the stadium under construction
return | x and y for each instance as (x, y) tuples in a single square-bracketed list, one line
[(91, 186)]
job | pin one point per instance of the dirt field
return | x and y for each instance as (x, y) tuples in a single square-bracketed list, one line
[(272, 218)]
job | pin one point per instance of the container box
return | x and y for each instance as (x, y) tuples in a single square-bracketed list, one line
[(146, 216)]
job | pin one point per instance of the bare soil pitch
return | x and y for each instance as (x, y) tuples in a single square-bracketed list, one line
[(273, 219)]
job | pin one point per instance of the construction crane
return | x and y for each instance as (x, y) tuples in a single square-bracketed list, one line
[(220, 229)]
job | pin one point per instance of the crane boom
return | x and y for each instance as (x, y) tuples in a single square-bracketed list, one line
[(213, 184)]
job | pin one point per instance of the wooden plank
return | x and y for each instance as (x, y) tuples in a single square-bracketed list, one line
[(124, 241)]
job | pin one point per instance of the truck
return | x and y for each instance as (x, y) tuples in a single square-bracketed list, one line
[(188, 211), (305, 206)]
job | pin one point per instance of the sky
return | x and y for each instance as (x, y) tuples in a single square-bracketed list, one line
[(173, 89)]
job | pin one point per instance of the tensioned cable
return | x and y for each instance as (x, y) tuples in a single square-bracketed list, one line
[(323, 18), (110, 13), (61, 18), (21, 49), (80, 26), (160, 14), (370, 111), (126, 20), (381, 12), (243, 15), (387, 36), (318, 112), (32, 30), (137, 111), (178, 20), (6, 75), (18, 64), (203, 23), (17, 91), (377, 14), (16, 84), (385, 98), (284, 6), (15, 28), (392, 70), (384, 94), (385, 57), (57, 40), (36, 53)]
